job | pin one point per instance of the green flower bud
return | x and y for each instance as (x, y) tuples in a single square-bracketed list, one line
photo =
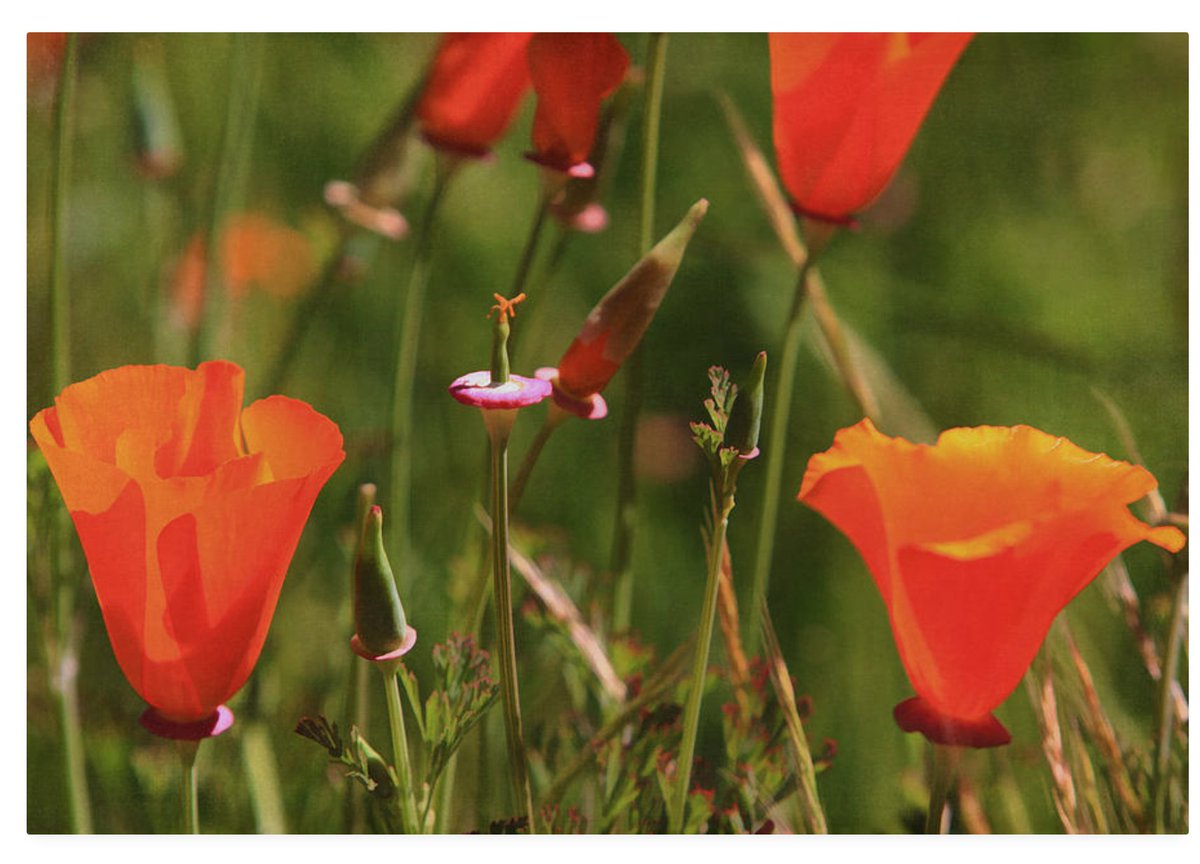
[(378, 616), (745, 418)]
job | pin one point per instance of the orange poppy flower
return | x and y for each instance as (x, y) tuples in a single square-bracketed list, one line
[(256, 251), (572, 74), (975, 544), (474, 89), (847, 106), (188, 509)]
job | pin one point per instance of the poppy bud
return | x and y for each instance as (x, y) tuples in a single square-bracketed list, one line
[(474, 89), (745, 418), (846, 108), (615, 326), (572, 73), (378, 615)]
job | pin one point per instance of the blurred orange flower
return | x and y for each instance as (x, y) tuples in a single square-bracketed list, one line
[(846, 109), (256, 251), (188, 509), (43, 57), (572, 74), (474, 90), (976, 543)]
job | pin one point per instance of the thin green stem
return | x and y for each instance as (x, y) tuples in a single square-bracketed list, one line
[(656, 65), (502, 589), (64, 135), (68, 714), (357, 705), (941, 781), (780, 402), (443, 817), (691, 711), (1166, 714), (233, 159), (404, 781), (408, 337), (525, 265), (622, 549), (262, 778), (187, 759), (553, 420)]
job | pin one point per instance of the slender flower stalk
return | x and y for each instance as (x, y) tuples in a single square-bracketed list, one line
[(65, 663), (502, 590), (781, 405), (404, 782), (499, 394), (233, 161), (691, 712), (408, 336), (64, 135), (729, 444), (622, 549), (191, 811), (941, 781), (357, 696), (554, 418)]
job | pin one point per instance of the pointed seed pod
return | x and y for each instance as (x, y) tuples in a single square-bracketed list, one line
[(615, 326), (378, 616), (745, 418)]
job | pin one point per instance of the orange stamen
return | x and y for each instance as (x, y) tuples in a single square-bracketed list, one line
[(506, 308)]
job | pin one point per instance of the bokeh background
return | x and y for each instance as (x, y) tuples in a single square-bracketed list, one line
[(1033, 247)]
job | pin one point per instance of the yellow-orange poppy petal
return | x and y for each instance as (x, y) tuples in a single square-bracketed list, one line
[(976, 543), (93, 414), (295, 440)]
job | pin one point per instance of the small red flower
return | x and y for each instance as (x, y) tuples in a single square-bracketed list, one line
[(847, 106), (188, 509), (572, 74), (474, 90), (976, 544)]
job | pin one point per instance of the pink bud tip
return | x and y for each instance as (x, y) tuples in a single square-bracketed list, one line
[(591, 407), (410, 639)]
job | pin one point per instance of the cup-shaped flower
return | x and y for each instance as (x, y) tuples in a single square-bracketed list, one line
[(188, 509), (615, 326), (975, 544), (572, 74), (846, 109), (474, 89)]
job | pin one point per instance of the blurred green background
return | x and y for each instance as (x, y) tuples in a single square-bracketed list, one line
[(1032, 247)]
